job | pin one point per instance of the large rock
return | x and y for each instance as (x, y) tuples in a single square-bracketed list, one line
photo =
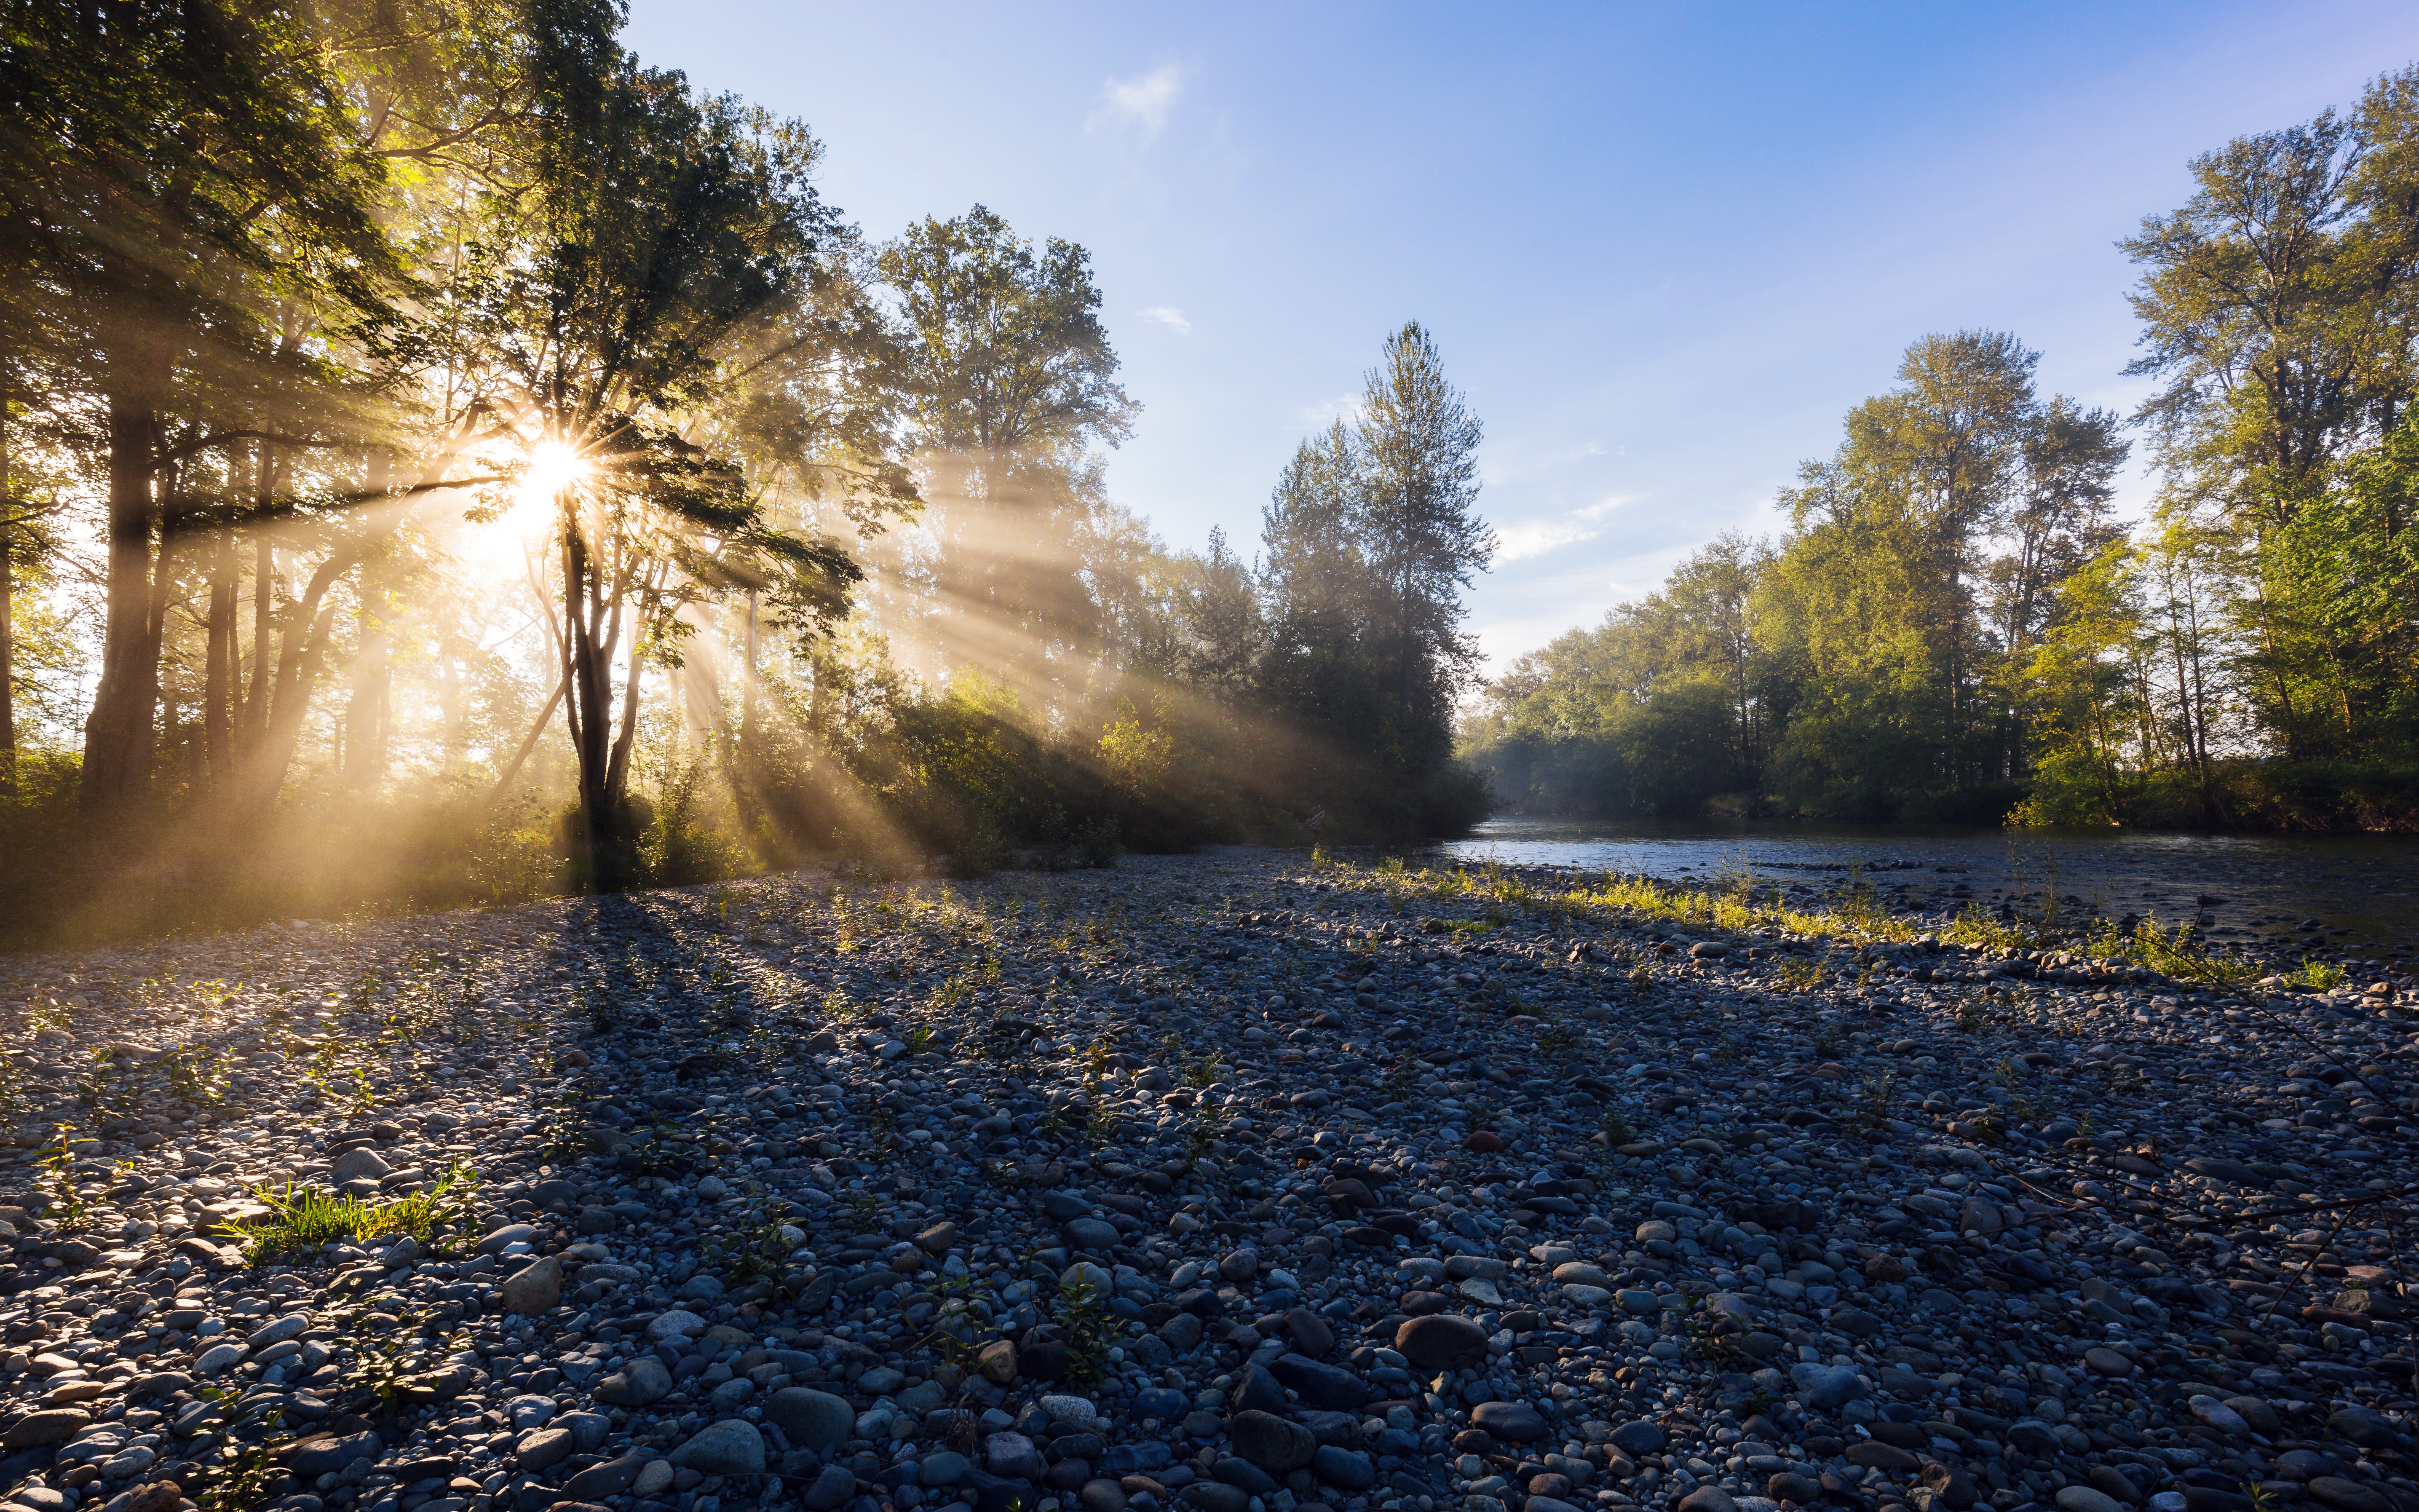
[(1343, 1468), (730, 1448), (541, 1449), (535, 1287), (1514, 1422), (1825, 1387), (1270, 1441), (610, 1478), (811, 1419), (642, 1381), (35, 1429), (1441, 1341), (362, 1165), (1640, 1438), (1322, 1387)]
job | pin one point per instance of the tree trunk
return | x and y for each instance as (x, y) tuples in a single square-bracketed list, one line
[(7, 636), (221, 678), (607, 850), (118, 732)]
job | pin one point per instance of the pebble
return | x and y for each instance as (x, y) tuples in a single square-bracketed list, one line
[(1213, 1179)]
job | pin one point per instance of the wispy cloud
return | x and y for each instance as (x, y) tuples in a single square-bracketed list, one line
[(1170, 317), (1140, 103), (1527, 538), (1347, 408)]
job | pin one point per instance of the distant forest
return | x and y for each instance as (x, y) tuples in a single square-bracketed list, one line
[(1953, 627), (447, 461)]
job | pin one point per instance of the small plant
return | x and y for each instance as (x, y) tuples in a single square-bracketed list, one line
[(364, 1096), (1872, 1114), (1088, 1328), (388, 1352), (2323, 974), (1614, 1129), (1201, 1136), (56, 1181), (1206, 1071), (240, 1478), (1970, 1021), (301, 1220)]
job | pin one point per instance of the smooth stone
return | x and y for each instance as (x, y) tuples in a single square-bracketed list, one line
[(1517, 1422), (1270, 1441), (2083, 1498), (810, 1419), (1825, 1387), (610, 1478), (541, 1449), (2102, 1360), (642, 1381), (1441, 1341), (731, 1447), (360, 1164), (1343, 1468), (655, 1478), (535, 1287), (1709, 1499), (1640, 1438)]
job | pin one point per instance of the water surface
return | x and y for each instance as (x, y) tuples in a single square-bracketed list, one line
[(2362, 889)]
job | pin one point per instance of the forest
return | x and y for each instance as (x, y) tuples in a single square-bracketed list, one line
[(448, 461), (1954, 627)]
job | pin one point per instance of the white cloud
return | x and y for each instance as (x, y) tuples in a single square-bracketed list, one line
[(1347, 408), (1170, 317), (1142, 103), (1527, 538)]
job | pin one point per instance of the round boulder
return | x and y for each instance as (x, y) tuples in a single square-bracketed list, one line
[(1441, 1341), (1274, 1444)]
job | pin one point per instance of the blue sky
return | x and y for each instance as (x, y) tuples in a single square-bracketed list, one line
[(1663, 248)]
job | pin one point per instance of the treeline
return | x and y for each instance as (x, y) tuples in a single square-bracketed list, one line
[(1952, 626), (446, 460)]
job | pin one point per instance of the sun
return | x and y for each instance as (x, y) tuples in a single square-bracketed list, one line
[(552, 468)]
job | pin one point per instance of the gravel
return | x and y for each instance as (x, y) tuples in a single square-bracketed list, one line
[(1214, 1181)]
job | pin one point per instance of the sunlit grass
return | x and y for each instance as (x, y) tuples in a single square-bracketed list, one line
[(304, 1219)]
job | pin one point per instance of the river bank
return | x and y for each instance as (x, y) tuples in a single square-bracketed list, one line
[(1220, 1181)]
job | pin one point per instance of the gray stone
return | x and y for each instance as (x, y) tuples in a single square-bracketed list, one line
[(1216, 1496), (943, 1467), (1090, 1233), (1707, 1499), (1441, 1341), (1343, 1468), (832, 1487), (541, 1449), (731, 1447), (360, 1164), (535, 1287), (2362, 1426), (2083, 1498), (810, 1419), (610, 1478), (642, 1381), (1270, 1441), (496, 1241), (1640, 1438), (1825, 1387), (1514, 1422), (1325, 1388)]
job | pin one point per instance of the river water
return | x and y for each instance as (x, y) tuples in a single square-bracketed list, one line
[(2362, 890)]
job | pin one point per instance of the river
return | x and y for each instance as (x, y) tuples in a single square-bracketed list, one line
[(2361, 891)]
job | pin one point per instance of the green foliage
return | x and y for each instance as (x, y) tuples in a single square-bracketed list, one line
[(304, 1219)]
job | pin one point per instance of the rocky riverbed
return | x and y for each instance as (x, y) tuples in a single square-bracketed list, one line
[(1219, 1181)]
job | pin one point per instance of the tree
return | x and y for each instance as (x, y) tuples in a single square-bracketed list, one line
[(1009, 382), (662, 231), (1415, 481)]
